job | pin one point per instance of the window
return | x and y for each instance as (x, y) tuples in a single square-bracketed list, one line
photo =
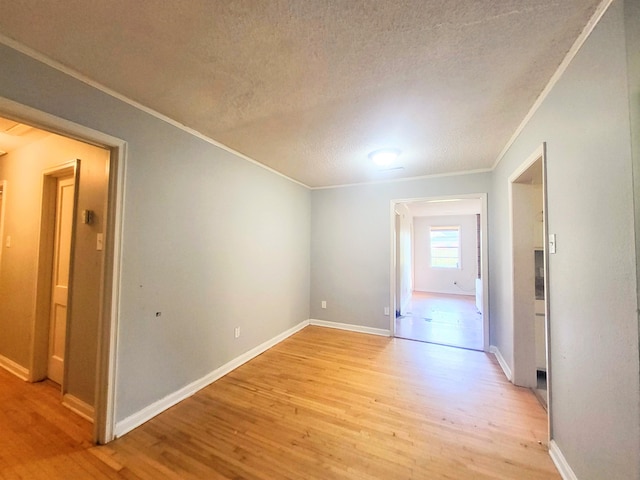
[(445, 247)]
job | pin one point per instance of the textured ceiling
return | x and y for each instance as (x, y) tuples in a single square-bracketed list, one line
[(310, 87)]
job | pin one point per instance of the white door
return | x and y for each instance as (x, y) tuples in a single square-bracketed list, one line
[(60, 281)]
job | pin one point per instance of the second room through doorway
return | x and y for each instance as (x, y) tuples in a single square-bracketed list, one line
[(438, 262)]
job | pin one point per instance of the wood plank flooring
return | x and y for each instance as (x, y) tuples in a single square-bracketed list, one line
[(442, 318), (323, 404)]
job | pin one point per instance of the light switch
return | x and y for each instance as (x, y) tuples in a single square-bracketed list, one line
[(99, 242), (8, 241), (552, 243)]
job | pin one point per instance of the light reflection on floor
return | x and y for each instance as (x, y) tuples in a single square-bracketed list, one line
[(444, 319)]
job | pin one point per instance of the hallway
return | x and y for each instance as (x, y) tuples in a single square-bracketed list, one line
[(443, 319)]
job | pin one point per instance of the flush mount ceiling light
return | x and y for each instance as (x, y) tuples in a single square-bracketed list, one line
[(384, 156)]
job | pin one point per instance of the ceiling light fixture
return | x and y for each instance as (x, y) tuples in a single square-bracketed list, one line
[(384, 156)]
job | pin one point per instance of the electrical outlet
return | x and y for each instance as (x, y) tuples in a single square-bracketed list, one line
[(236, 332), (386, 311), (324, 304)]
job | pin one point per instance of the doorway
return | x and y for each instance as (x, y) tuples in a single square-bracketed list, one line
[(438, 270), (527, 193), (87, 349)]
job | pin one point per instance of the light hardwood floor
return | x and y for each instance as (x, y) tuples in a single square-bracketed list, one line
[(323, 404), (442, 318)]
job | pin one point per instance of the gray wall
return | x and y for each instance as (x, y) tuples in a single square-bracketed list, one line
[(350, 244), (210, 240), (592, 278), (632, 30)]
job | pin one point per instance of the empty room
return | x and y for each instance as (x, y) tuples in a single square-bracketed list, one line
[(214, 214)]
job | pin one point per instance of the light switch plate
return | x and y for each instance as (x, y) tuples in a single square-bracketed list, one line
[(552, 243)]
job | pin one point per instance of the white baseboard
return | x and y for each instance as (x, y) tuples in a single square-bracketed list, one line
[(83, 409), (561, 463), (503, 363), (350, 327), (124, 426), (15, 368)]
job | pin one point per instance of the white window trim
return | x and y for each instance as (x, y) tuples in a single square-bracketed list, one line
[(446, 227)]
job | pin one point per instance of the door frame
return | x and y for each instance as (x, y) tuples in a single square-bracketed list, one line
[(484, 254), (3, 188), (105, 388), (397, 308), (42, 316), (522, 340)]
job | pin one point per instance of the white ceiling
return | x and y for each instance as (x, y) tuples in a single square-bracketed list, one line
[(435, 208), (310, 87)]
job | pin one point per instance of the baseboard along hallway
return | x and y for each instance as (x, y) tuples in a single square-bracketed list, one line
[(322, 404)]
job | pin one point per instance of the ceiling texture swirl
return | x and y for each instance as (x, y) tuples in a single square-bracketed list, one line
[(310, 88)]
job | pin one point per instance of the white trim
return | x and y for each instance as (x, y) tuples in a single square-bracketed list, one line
[(524, 368), (11, 43), (537, 154), (406, 179), (106, 370), (76, 405), (350, 327), (41, 314), (484, 267), (15, 368), (566, 472), (503, 363), (568, 58), (132, 421), (51, 123)]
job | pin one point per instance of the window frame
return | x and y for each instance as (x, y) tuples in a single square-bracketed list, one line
[(458, 247)]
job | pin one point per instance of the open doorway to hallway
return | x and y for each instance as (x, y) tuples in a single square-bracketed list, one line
[(51, 273), (60, 226), (438, 272)]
